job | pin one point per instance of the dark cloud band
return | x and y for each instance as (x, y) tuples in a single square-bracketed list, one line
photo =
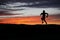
[(42, 3)]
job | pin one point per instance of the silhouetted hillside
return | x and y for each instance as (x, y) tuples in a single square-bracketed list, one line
[(29, 28), (13, 31)]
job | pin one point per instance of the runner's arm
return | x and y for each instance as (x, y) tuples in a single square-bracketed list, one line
[(40, 14)]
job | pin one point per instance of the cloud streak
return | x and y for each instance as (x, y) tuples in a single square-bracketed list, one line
[(29, 7), (32, 3)]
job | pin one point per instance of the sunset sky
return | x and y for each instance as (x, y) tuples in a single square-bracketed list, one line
[(28, 11)]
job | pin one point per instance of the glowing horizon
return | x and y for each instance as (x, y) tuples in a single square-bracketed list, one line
[(33, 20)]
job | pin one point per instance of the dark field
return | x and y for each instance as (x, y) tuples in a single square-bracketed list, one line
[(29, 28), (13, 30)]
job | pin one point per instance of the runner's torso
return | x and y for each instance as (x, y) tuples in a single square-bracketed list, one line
[(43, 15)]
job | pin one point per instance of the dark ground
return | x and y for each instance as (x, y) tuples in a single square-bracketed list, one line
[(13, 31)]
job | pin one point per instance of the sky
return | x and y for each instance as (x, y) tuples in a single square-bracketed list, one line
[(29, 8)]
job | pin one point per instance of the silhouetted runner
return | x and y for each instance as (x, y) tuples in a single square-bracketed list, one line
[(44, 15)]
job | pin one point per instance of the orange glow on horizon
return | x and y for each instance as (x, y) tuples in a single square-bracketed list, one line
[(28, 20)]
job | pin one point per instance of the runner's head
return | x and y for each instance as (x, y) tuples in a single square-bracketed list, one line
[(43, 11)]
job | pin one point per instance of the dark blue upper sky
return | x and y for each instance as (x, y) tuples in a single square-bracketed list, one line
[(33, 3), (29, 7), (43, 3)]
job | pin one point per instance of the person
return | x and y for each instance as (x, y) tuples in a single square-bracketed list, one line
[(44, 15)]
